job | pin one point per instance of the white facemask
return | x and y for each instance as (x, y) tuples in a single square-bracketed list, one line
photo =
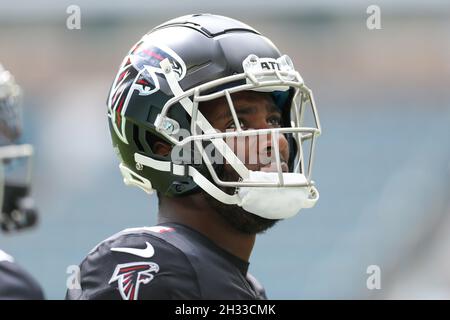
[(277, 202)]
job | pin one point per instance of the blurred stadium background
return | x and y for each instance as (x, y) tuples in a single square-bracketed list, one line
[(382, 163)]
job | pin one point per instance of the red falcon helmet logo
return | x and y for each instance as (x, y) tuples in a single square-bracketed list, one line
[(129, 276)]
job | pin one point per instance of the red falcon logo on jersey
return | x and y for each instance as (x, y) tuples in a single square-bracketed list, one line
[(129, 277)]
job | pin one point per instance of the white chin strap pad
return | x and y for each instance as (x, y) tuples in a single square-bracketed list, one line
[(277, 202)]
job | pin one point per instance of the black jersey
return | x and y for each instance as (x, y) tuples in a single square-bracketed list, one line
[(167, 261), (15, 283)]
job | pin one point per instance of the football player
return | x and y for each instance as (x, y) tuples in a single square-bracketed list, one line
[(207, 112), (18, 211)]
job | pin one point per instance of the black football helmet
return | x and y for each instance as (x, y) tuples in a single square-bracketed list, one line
[(181, 63)]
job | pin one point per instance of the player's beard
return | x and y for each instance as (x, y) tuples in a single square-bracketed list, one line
[(234, 215)]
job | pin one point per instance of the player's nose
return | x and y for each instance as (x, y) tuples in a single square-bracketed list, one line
[(267, 146), (276, 139)]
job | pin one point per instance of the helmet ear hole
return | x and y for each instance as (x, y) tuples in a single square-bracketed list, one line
[(161, 148), (157, 145)]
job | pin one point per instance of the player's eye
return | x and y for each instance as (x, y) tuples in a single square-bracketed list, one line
[(274, 121), (232, 125)]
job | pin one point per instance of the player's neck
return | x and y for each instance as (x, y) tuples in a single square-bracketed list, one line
[(193, 212)]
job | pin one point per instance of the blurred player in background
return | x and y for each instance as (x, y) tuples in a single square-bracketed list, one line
[(18, 211)]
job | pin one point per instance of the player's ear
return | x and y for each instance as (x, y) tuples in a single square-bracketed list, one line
[(161, 148)]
